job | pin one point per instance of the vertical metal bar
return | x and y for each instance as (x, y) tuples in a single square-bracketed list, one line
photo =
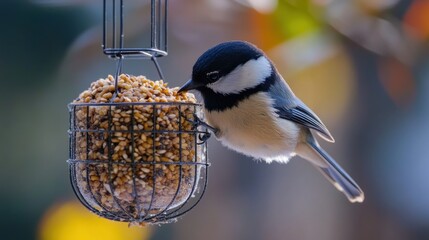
[(87, 133), (88, 166), (121, 25), (158, 21), (196, 132), (180, 133), (109, 169), (172, 202), (104, 25), (153, 30), (72, 134), (165, 27), (114, 24), (153, 163), (133, 165)]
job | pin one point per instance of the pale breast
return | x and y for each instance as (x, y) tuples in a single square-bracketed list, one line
[(251, 129)]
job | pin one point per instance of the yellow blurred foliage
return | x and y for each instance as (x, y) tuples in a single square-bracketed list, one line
[(327, 86), (325, 83), (71, 221)]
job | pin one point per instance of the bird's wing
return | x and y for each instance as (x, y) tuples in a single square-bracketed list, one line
[(304, 117), (289, 107)]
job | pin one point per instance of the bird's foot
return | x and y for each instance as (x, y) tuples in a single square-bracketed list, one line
[(198, 122)]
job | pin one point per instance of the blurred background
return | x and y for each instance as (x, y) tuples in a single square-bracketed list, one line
[(361, 65)]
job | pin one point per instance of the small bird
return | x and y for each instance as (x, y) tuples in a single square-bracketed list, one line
[(253, 111)]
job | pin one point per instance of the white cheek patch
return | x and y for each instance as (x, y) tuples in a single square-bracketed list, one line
[(245, 76)]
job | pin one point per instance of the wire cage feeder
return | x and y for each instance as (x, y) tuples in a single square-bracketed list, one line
[(128, 161)]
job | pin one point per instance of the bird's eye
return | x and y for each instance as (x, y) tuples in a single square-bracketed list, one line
[(213, 76)]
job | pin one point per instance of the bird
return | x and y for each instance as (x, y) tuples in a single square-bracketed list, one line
[(252, 110)]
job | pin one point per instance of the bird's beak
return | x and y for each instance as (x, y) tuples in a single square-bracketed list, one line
[(189, 85)]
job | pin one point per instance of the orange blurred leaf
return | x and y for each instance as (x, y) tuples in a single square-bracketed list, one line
[(417, 18)]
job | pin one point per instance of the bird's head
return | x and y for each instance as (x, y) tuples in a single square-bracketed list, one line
[(229, 68)]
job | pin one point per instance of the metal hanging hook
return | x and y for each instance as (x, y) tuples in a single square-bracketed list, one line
[(117, 74), (113, 31)]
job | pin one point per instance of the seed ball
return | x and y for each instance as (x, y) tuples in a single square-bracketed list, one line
[(137, 147)]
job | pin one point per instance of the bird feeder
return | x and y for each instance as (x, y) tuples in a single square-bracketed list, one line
[(136, 161)]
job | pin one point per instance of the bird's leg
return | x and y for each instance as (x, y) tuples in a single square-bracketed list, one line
[(199, 122), (216, 131)]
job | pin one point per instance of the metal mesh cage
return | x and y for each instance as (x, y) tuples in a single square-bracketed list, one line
[(138, 162)]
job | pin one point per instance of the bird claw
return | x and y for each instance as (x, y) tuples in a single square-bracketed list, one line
[(199, 122), (204, 136), (217, 132)]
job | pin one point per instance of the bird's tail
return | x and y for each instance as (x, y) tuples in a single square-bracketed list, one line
[(332, 171)]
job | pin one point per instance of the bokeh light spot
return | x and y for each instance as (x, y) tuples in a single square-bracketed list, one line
[(71, 221)]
